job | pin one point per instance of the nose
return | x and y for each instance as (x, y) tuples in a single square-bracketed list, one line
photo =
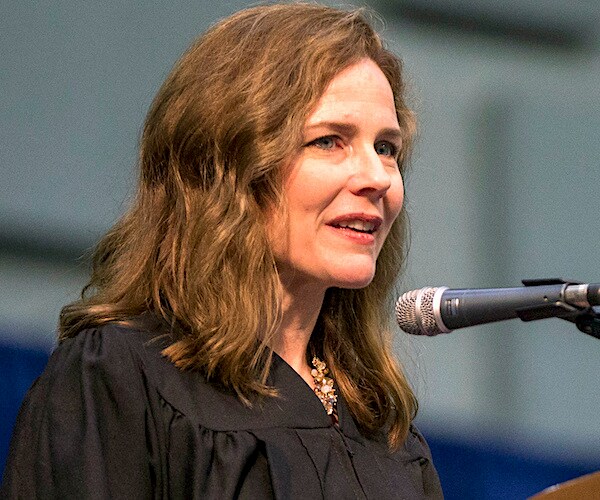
[(371, 177)]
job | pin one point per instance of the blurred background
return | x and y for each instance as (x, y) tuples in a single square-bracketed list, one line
[(503, 186)]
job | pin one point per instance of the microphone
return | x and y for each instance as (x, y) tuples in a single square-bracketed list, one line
[(430, 311)]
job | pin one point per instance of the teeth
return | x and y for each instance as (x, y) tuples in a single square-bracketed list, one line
[(358, 225)]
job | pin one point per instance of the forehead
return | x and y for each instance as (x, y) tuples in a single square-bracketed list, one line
[(357, 89)]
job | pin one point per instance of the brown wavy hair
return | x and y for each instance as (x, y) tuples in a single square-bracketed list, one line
[(193, 249)]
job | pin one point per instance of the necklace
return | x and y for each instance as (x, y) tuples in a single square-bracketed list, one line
[(324, 385)]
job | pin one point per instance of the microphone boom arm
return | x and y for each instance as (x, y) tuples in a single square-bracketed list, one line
[(586, 319)]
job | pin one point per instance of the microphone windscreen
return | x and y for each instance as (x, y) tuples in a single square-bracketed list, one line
[(415, 312)]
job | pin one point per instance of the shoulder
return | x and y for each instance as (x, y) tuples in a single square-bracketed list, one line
[(415, 442), (109, 349), (417, 454), (99, 362), (104, 365), (83, 426), (127, 360)]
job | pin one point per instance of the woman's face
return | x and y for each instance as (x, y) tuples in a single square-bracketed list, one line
[(344, 188)]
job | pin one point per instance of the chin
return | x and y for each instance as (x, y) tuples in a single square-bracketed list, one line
[(355, 280)]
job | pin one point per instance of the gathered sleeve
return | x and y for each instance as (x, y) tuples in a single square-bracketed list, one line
[(82, 431)]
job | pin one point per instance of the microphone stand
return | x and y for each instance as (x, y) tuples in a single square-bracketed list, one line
[(589, 322), (587, 319)]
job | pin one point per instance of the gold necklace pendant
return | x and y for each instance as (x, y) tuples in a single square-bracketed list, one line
[(324, 386)]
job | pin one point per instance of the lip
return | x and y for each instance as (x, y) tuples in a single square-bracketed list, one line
[(376, 220), (356, 236)]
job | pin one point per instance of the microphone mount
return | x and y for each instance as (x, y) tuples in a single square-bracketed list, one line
[(587, 319)]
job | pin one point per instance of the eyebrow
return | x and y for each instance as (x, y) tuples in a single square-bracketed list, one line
[(350, 129)]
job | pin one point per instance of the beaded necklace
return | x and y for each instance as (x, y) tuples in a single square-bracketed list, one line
[(324, 386)]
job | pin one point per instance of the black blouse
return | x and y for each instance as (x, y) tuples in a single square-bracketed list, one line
[(112, 418)]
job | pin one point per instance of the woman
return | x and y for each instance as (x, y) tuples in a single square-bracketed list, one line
[(252, 273)]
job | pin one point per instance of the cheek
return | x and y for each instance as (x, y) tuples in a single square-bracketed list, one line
[(395, 198), (312, 192), (393, 206), (278, 228)]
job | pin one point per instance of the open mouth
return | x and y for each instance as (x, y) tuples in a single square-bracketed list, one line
[(362, 224), (359, 226)]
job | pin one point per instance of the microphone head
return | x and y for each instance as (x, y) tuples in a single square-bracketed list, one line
[(415, 312)]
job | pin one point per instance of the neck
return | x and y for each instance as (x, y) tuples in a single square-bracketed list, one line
[(301, 308)]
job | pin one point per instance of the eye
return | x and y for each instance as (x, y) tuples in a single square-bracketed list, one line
[(326, 142), (386, 148)]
